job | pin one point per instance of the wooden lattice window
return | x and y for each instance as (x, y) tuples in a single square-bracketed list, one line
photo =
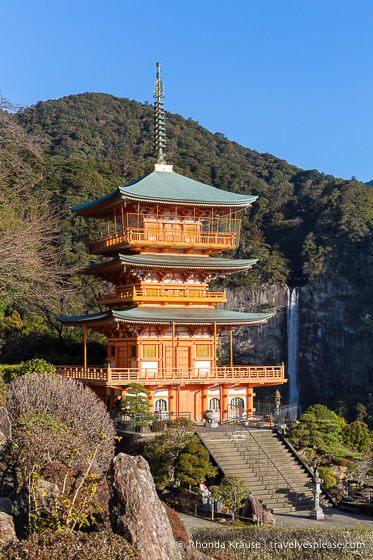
[(150, 351), (203, 351)]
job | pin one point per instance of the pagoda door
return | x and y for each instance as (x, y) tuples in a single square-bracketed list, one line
[(181, 359), (122, 357)]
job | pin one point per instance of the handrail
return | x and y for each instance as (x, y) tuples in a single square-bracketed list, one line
[(154, 293), (280, 432), (142, 235), (288, 485), (153, 374)]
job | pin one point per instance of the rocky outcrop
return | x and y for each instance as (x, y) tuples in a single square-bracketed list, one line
[(138, 515), (5, 425), (7, 532), (324, 335), (253, 509), (262, 344)]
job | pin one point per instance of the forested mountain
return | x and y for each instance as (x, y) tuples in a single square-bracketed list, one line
[(305, 224)]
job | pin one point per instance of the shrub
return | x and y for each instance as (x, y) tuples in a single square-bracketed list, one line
[(328, 477), (35, 365), (341, 461), (358, 436), (66, 400), (193, 464), (318, 428), (40, 439), (233, 491), (102, 545), (178, 528), (9, 372), (370, 472)]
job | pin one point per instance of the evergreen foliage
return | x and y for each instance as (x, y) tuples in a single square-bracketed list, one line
[(177, 455), (326, 474), (135, 402), (194, 464), (319, 429), (358, 436)]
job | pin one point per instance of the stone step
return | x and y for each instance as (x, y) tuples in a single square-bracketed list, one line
[(241, 455)]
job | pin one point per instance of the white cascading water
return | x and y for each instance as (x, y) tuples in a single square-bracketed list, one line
[(292, 331)]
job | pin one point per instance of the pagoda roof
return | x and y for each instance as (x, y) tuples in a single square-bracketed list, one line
[(166, 316), (166, 187), (160, 260)]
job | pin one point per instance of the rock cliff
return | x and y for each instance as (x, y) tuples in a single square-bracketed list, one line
[(324, 336)]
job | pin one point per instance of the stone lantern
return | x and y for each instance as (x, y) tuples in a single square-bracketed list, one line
[(317, 512), (277, 400)]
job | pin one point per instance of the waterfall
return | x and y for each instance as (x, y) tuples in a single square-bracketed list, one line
[(292, 331)]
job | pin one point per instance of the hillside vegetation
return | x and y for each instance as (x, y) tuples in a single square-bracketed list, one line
[(305, 224)]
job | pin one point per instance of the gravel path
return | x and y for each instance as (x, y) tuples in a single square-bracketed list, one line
[(334, 519)]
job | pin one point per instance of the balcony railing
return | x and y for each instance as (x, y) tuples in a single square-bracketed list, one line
[(153, 376), (142, 237), (147, 294)]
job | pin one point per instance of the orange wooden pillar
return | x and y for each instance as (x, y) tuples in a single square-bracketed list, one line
[(172, 399), (250, 401), (151, 398), (225, 401), (205, 400)]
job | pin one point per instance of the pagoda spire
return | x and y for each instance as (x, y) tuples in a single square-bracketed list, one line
[(160, 123)]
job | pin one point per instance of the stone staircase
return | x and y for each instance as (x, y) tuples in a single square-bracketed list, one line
[(272, 471)]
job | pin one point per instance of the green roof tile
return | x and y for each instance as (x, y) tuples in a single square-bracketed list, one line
[(158, 315), (186, 262), (170, 187)]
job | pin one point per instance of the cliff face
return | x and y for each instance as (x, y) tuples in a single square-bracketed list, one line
[(261, 344), (323, 336)]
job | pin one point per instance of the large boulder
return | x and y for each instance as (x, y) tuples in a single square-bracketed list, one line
[(136, 512), (139, 516), (7, 531), (8, 476), (5, 425), (252, 509)]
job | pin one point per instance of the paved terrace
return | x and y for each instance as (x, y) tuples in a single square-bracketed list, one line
[(334, 519)]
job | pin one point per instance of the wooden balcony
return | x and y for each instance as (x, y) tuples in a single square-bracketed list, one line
[(143, 237), (162, 294), (260, 375)]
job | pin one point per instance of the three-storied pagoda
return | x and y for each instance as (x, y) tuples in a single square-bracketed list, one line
[(162, 323)]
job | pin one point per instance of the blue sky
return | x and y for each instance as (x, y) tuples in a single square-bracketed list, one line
[(288, 77)]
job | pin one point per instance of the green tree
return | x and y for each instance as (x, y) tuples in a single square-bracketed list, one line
[(318, 428), (327, 475), (163, 451), (193, 464), (358, 436), (135, 402), (233, 491)]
